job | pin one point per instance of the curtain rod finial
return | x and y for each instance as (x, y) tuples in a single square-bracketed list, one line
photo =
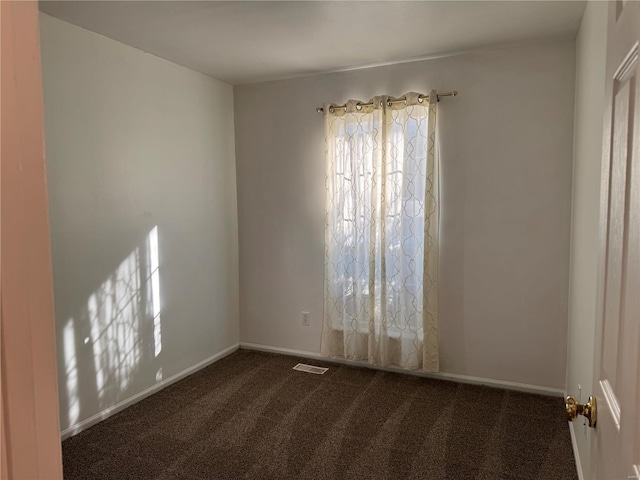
[(320, 110)]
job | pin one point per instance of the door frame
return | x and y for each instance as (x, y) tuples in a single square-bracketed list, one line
[(29, 415), (621, 41)]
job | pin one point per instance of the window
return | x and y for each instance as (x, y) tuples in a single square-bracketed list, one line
[(380, 203)]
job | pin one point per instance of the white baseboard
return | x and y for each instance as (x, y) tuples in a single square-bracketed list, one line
[(84, 424), (576, 452), (520, 387)]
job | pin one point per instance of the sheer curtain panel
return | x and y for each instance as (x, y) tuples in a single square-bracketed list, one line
[(381, 232)]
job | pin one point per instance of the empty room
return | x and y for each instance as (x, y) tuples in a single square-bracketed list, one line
[(320, 240)]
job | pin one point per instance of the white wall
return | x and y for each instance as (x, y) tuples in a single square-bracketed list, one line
[(506, 146), (134, 142), (589, 99)]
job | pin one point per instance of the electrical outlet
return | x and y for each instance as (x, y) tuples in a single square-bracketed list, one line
[(305, 319)]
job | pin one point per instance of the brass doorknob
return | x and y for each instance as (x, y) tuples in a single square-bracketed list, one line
[(589, 409)]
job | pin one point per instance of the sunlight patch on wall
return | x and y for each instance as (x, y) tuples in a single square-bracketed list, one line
[(123, 316), (115, 312), (71, 371), (154, 266)]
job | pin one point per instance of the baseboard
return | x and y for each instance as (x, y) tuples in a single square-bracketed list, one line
[(576, 452), (84, 424), (520, 387)]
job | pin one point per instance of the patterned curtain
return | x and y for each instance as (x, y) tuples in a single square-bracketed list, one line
[(381, 233)]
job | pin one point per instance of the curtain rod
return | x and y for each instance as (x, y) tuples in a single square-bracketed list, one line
[(391, 102)]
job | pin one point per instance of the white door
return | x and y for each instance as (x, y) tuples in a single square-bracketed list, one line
[(616, 446)]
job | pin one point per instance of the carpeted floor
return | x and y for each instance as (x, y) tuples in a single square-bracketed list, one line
[(251, 416)]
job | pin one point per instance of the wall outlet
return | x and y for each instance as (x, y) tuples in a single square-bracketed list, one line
[(305, 319)]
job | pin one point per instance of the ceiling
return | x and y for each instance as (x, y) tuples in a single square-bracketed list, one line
[(243, 42)]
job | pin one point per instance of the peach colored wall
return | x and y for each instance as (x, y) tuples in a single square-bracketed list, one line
[(30, 424)]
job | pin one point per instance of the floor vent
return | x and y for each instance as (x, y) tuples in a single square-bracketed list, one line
[(303, 367)]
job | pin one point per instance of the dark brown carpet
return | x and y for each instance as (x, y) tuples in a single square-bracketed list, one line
[(251, 416)]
